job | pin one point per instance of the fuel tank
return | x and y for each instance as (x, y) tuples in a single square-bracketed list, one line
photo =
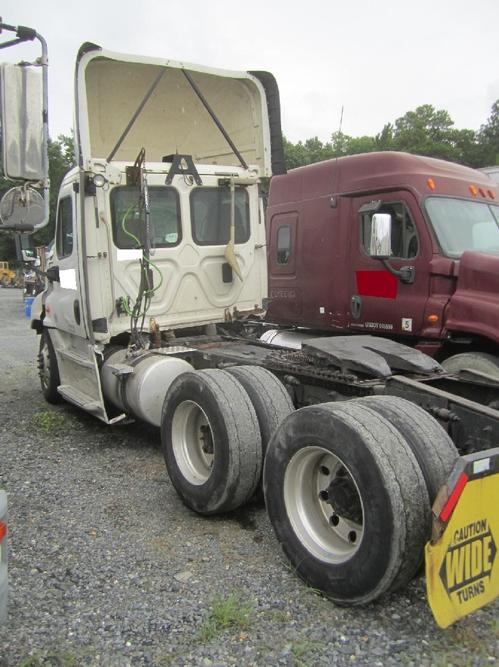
[(137, 384)]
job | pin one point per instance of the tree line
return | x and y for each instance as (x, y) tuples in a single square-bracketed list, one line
[(424, 131)]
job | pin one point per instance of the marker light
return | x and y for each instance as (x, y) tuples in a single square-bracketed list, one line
[(431, 183), (491, 194), (473, 190), (482, 192), (99, 181), (3, 530), (432, 318)]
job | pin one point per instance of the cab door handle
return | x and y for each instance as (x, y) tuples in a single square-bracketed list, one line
[(356, 307)]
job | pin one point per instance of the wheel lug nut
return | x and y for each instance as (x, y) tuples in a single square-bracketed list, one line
[(352, 536), (324, 495), (334, 519), (324, 470)]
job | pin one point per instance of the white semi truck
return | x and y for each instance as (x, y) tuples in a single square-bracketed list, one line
[(154, 310)]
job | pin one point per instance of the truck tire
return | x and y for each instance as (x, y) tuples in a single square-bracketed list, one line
[(269, 397), (475, 361), (434, 450), (48, 369), (211, 441), (347, 501)]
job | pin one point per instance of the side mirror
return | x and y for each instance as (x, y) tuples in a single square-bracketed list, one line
[(21, 112), (52, 274), (380, 246)]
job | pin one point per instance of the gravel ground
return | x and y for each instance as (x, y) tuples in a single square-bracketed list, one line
[(107, 567)]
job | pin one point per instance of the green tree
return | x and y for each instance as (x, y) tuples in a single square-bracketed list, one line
[(343, 144), (425, 131), (488, 138), (313, 150), (61, 159)]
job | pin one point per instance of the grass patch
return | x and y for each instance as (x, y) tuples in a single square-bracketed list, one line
[(51, 660), (301, 652), (48, 421), (226, 613)]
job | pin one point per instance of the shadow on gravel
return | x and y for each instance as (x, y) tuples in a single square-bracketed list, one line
[(131, 434)]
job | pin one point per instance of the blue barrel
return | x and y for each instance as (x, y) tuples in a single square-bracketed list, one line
[(3, 556), (28, 302)]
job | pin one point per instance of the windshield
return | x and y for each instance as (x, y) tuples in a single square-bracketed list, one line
[(462, 225)]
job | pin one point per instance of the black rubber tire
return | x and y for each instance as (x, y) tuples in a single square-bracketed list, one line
[(235, 438), (476, 361), (389, 481), (48, 369), (269, 397), (434, 450)]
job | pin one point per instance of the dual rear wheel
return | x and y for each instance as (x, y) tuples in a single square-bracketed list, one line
[(348, 486)]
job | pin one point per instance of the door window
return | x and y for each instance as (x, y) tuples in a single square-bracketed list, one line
[(64, 236), (404, 239)]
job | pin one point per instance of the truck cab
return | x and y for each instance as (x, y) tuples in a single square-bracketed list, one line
[(160, 226), (437, 286)]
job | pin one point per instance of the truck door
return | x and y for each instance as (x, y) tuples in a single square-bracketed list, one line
[(63, 303), (380, 302), (284, 292)]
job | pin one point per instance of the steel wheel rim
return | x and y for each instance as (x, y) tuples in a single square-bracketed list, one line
[(192, 442), (44, 368), (327, 533)]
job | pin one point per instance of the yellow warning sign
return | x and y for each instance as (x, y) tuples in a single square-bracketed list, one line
[(462, 567)]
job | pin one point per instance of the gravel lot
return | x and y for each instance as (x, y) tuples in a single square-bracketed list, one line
[(107, 567)]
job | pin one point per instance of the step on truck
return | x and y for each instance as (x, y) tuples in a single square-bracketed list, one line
[(153, 310), (435, 284)]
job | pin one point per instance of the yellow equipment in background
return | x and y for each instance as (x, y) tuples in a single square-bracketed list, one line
[(8, 277)]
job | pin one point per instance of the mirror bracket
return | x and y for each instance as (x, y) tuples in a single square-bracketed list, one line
[(406, 274)]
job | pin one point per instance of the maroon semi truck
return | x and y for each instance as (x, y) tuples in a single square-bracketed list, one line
[(438, 287)]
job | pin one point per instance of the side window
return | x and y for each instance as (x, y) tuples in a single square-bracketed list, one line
[(283, 244), (210, 216), (64, 236), (405, 243)]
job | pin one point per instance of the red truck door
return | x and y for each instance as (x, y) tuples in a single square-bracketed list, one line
[(380, 302)]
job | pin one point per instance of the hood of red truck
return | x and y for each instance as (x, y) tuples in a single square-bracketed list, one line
[(474, 306)]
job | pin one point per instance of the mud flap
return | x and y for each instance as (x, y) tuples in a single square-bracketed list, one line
[(461, 560)]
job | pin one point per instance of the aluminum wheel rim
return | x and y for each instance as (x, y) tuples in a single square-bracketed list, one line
[(326, 533), (192, 440)]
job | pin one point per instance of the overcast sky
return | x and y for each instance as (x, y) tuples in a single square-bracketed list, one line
[(377, 59)]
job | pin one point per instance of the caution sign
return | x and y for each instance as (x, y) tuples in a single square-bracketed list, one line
[(462, 565)]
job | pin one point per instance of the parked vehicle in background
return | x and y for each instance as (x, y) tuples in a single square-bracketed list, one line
[(437, 285), (153, 311), (8, 276)]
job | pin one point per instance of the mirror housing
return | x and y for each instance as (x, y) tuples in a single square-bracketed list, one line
[(22, 119), (380, 246)]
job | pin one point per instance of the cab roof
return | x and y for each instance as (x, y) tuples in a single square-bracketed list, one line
[(356, 175)]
